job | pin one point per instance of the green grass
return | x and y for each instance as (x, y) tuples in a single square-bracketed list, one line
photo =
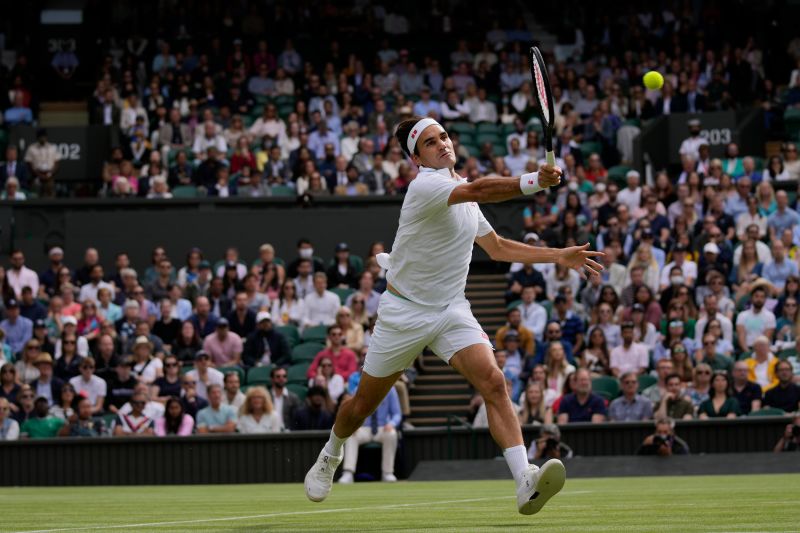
[(683, 504)]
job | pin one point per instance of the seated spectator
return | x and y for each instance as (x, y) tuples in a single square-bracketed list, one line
[(9, 428), (317, 413), (514, 323), (366, 293), (548, 445), (786, 394), (720, 403), (558, 369), (708, 355), (146, 367), (135, 423), (204, 321), (68, 365), (534, 408), (673, 404), (344, 359), (285, 401), (25, 366), (700, 388), (582, 405), (320, 305), (257, 414), (288, 308), (187, 344), (18, 113), (265, 345), (46, 384), (18, 329), (663, 442), (191, 402), (326, 377), (84, 424), (120, 386), (224, 346), (762, 363), (379, 427), (534, 316), (90, 386), (353, 332), (656, 391), (42, 425), (789, 442), (756, 321), (24, 402), (231, 395), (630, 406), (204, 375), (554, 333), (169, 384), (746, 392), (175, 420), (630, 356), (152, 409), (64, 406), (217, 417)]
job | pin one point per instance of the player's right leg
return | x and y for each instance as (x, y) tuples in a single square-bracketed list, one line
[(351, 416)]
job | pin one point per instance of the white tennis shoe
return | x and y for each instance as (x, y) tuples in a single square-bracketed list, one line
[(319, 479), (539, 485)]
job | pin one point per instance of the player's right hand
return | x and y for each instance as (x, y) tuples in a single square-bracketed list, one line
[(549, 176)]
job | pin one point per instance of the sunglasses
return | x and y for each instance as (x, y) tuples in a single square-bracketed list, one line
[(69, 342), (189, 383), (703, 373)]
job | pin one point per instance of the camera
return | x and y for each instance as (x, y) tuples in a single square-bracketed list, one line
[(660, 440), (552, 444), (795, 431)]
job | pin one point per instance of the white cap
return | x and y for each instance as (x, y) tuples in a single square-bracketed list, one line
[(632, 174), (263, 315), (530, 237), (600, 187), (55, 250), (711, 247), (69, 320)]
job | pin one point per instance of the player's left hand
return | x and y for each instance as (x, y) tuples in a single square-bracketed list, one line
[(579, 258), (549, 176)]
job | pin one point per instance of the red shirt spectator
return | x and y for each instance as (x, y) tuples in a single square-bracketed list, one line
[(344, 359)]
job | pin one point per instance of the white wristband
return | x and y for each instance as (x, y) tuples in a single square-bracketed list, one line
[(529, 183)]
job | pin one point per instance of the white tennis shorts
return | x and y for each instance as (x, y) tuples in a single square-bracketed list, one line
[(405, 328)]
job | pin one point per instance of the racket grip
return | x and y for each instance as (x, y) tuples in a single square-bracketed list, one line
[(551, 158)]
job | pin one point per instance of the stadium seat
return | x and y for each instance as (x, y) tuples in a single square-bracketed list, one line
[(297, 373), (185, 191), (488, 127), (282, 190), (315, 334), (306, 352), (490, 138), (466, 137), (606, 386), (291, 333), (514, 304), (284, 99), (791, 121), (617, 173), (588, 148), (789, 352), (768, 411), (239, 370), (534, 124), (342, 293), (300, 390), (186, 368), (259, 375), (462, 127), (645, 381)]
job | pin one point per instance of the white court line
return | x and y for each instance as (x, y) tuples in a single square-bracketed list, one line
[(273, 515)]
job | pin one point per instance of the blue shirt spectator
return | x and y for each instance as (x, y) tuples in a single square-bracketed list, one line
[(17, 328), (777, 271)]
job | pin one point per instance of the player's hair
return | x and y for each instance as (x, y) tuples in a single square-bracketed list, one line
[(402, 131)]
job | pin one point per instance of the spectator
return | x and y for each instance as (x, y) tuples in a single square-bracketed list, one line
[(656, 391), (353, 332), (320, 305), (708, 355), (64, 407), (210, 139), (786, 394), (367, 293), (342, 274), (90, 386), (204, 375), (720, 403), (217, 417), (231, 395), (26, 367), (152, 409), (595, 357), (630, 356), (756, 321), (187, 344), (42, 425), (663, 442), (68, 365), (43, 159), (224, 346), (344, 359), (11, 190), (549, 445), (84, 424), (380, 427), (317, 413), (514, 324), (257, 414), (24, 402), (9, 428), (265, 345), (630, 406), (191, 402), (582, 405), (175, 421), (534, 316), (780, 268), (146, 367), (12, 167), (762, 364), (20, 276), (785, 217), (534, 406), (673, 404), (746, 392), (135, 423), (120, 386), (789, 442), (284, 401), (204, 321), (169, 384)]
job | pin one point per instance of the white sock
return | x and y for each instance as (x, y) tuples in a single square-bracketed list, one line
[(517, 459), (334, 445)]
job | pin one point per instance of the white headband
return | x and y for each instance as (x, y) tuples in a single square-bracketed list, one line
[(418, 128)]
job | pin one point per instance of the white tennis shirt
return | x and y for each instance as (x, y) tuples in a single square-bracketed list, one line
[(433, 247)]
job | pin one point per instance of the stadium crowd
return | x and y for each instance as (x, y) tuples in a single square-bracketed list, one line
[(695, 315)]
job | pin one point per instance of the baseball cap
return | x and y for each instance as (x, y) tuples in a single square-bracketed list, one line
[(531, 237), (342, 247), (263, 315), (512, 336), (676, 324), (711, 248), (69, 320), (201, 355), (40, 323), (680, 247), (694, 122), (223, 323), (55, 250), (633, 174), (626, 325), (204, 264), (647, 234), (638, 308), (13, 303)]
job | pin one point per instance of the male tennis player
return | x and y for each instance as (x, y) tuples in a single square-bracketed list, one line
[(424, 304)]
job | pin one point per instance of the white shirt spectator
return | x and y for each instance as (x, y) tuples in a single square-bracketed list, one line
[(689, 269), (152, 410), (95, 387), (146, 372), (631, 359), (237, 402), (269, 423), (690, 147), (203, 143), (274, 128), (283, 313), (320, 310), (755, 324), (762, 251), (214, 376), (483, 111), (534, 317), (42, 157), (631, 198), (89, 291), (725, 324), (24, 277)]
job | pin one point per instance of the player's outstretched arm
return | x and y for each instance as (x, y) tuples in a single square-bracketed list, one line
[(578, 258), (493, 189)]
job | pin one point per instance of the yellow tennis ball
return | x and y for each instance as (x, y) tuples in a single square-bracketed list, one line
[(653, 80)]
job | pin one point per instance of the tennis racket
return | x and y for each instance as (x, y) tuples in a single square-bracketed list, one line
[(544, 97)]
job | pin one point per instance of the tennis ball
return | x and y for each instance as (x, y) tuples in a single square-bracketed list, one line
[(653, 80)]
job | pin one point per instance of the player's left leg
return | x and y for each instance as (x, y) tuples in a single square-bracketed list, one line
[(534, 486)]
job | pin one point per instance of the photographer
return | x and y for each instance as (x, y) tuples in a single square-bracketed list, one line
[(549, 445), (663, 442), (790, 441)]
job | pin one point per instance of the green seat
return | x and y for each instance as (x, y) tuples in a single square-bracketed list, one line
[(768, 411), (306, 352), (300, 390), (462, 128), (185, 191), (285, 110), (282, 190), (534, 124), (472, 148), (548, 306), (508, 129), (186, 368), (513, 305), (789, 352), (646, 380), (606, 386), (588, 148), (488, 127), (297, 373), (284, 99), (228, 369), (617, 173), (633, 122), (291, 333), (260, 375), (315, 334), (490, 138), (342, 293), (466, 137), (499, 149)]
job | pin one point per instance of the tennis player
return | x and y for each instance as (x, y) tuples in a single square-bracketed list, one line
[(424, 304)]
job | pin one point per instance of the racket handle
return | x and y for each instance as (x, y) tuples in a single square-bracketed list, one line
[(551, 158)]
